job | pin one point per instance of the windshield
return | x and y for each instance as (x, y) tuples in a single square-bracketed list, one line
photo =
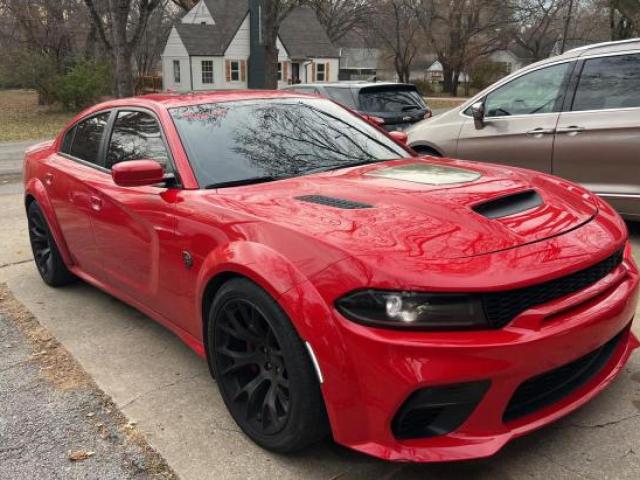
[(391, 100), (258, 140)]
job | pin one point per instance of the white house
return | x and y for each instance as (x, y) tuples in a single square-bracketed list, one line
[(218, 45)]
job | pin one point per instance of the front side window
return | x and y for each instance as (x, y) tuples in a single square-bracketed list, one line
[(207, 71), (87, 138), (136, 136), (176, 71), (609, 82), (233, 142), (321, 72), (540, 91)]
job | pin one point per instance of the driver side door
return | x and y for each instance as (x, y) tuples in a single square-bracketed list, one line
[(520, 120)]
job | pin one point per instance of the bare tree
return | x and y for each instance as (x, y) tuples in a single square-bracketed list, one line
[(461, 31), (397, 30), (340, 17), (185, 5), (121, 30), (275, 11), (538, 26), (624, 18)]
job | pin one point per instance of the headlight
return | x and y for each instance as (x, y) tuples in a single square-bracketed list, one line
[(410, 310)]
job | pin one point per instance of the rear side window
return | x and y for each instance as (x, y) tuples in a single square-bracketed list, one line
[(342, 96), (609, 82), (87, 138), (68, 140), (390, 100), (136, 136)]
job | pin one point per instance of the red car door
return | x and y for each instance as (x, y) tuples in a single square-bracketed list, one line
[(135, 226), (68, 176)]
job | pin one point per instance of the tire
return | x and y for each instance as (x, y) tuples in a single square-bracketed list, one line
[(48, 260), (263, 369), (426, 151)]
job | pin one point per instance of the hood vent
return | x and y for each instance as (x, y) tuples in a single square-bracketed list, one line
[(333, 202), (509, 205)]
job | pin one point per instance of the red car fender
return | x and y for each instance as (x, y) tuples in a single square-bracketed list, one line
[(251, 260), (35, 189)]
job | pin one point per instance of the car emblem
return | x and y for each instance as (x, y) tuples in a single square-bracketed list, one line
[(406, 119), (187, 259)]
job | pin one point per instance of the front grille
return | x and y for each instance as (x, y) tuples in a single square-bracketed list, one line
[(543, 390), (502, 307)]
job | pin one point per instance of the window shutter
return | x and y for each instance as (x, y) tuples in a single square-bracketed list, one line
[(227, 70), (313, 72), (285, 71), (326, 72), (243, 70)]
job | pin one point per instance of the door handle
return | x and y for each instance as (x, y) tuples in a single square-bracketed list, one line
[(538, 132), (96, 203), (573, 129), (48, 178)]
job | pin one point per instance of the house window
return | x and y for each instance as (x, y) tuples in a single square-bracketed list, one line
[(176, 71), (279, 71), (207, 72), (235, 71), (321, 72)]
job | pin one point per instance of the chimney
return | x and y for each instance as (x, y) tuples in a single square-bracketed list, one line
[(257, 52)]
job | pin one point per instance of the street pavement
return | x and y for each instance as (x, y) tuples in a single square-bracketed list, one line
[(159, 383)]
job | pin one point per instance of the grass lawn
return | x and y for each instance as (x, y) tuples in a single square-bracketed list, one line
[(22, 119), (444, 102)]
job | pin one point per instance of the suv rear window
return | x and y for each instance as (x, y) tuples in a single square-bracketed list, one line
[(390, 100)]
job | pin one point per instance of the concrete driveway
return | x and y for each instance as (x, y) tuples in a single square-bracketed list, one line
[(159, 383)]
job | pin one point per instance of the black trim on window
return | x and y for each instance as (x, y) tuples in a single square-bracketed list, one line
[(573, 86)]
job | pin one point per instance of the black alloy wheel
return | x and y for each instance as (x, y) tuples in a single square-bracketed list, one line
[(264, 372), (45, 251), (252, 367)]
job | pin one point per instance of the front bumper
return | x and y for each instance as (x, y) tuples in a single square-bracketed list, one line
[(386, 367)]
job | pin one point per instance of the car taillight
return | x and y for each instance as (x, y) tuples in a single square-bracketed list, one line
[(429, 114)]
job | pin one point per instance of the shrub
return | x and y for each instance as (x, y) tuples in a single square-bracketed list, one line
[(83, 84), (424, 87)]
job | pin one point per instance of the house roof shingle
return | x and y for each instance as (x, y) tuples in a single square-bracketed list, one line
[(301, 33)]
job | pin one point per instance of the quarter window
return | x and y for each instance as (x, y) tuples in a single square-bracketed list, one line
[(207, 71), (609, 82), (87, 138), (176, 71), (136, 136), (535, 92)]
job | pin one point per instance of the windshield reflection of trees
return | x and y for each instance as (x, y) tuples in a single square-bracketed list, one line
[(294, 139), (287, 139)]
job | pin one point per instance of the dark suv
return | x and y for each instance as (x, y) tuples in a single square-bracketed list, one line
[(397, 105)]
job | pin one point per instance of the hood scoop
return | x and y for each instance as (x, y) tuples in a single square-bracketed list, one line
[(509, 205), (333, 202)]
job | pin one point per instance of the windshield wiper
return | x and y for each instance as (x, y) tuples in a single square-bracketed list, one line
[(244, 181)]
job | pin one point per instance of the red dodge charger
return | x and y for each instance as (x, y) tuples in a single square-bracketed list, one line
[(417, 309)]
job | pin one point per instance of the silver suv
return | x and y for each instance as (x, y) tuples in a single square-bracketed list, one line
[(576, 115)]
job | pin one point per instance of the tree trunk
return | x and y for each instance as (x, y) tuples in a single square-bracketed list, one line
[(271, 67), (124, 72), (447, 77)]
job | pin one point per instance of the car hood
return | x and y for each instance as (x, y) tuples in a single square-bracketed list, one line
[(417, 207)]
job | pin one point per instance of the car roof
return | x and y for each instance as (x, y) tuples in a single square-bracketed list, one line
[(348, 84), (175, 99)]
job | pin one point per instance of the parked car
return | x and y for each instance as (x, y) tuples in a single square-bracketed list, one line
[(576, 115), (394, 106), (420, 309)]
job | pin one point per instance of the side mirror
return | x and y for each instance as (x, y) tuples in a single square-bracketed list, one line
[(477, 112), (137, 173), (400, 137)]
